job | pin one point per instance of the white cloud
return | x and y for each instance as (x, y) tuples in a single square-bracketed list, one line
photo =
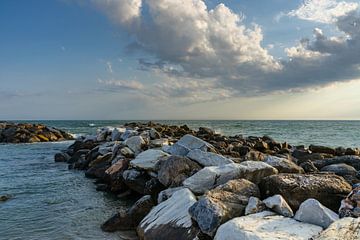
[(109, 67), (114, 85), (323, 11)]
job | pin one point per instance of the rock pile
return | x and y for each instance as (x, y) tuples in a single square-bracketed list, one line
[(30, 133), (190, 184)]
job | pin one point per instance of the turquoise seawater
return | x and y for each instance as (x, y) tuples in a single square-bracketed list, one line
[(51, 202)]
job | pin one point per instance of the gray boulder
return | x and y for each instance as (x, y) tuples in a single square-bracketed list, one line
[(255, 205), (283, 165), (278, 204), (340, 169), (343, 229), (135, 143), (148, 159), (208, 158)]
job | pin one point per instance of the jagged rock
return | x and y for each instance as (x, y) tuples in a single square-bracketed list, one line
[(222, 203), (175, 169), (128, 133), (313, 212), (167, 193), (117, 167), (346, 228), (353, 161), (278, 204), (340, 169), (154, 134), (78, 155), (148, 159), (309, 167), (264, 226), (208, 158), (283, 165), (135, 143), (116, 134), (170, 219), (255, 205), (130, 219), (176, 149), (329, 189), (210, 177), (188, 143), (135, 180), (322, 149), (61, 157)]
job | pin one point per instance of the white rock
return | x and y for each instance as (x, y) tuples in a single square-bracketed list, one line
[(278, 204), (102, 133), (312, 211), (106, 148), (128, 133), (159, 142), (343, 229), (266, 226), (127, 152), (135, 143), (148, 159), (254, 205), (116, 134), (169, 219), (208, 158), (254, 171), (167, 193), (191, 142), (176, 149), (283, 165)]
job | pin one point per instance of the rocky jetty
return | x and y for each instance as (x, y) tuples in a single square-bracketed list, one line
[(189, 184), (30, 133)]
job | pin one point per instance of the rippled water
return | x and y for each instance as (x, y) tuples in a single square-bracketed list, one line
[(51, 202)]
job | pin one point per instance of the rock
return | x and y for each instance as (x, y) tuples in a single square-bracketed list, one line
[(222, 203), (322, 149), (191, 142), (117, 167), (353, 161), (128, 133), (255, 205), (261, 146), (130, 219), (170, 219), (278, 204), (350, 151), (4, 198), (208, 158), (116, 134), (148, 159), (350, 206), (127, 152), (264, 226), (176, 149), (340, 169), (313, 212), (210, 177), (346, 228), (206, 131), (167, 193), (254, 156), (283, 165), (61, 157), (154, 134), (309, 167), (135, 180), (159, 142), (135, 143), (175, 169), (329, 189)]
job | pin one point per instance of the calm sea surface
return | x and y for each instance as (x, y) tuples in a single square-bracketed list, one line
[(51, 202)]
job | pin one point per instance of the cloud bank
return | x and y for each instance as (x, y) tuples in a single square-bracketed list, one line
[(205, 54)]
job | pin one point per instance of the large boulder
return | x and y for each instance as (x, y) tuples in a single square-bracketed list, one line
[(208, 158), (278, 204), (175, 169), (186, 144), (313, 212), (266, 225), (223, 203), (148, 159), (346, 228), (135, 143), (322, 149), (347, 159), (329, 189), (135, 180), (340, 169), (210, 177), (255, 205), (167, 193), (170, 219), (283, 165)]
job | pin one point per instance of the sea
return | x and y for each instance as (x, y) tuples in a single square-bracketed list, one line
[(48, 201)]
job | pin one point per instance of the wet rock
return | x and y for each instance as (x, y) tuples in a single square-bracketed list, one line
[(266, 225), (254, 156), (210, 177), (283, 165), (4, 198), (350, 151), (255, 205), (61, 157), (175, 169), (313, 212), (208, 158), (322, 149), (128, 133), (346, 228), (136, 180), (329, 189), (153, 187), (135, 143), (222, 203), (130, 219), (78, 155), (353, 161), (148, 159), (170, 219), (278, 204), (340, 169)]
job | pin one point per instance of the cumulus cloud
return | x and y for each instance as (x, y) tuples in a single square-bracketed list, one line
[(323, 11), (206, 54)]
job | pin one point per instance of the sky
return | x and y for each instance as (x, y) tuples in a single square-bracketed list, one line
[(179, 59)]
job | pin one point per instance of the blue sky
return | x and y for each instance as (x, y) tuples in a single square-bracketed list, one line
[(133, 59)]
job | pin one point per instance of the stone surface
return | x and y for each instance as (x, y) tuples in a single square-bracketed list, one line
[(170, 219), (175, 169), (191, 142), (135, 143), (350, 206), (135, 180), (208, 158), (283, 165), (61, 157), (343, 229), (176, 149), (313, 212), (255, 205), (266, 226), (148, 159), (278, 204), (340, 169), (329, 189), (349, 160), (321, 149), (210, 177), (167, 193), (222, 203)]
